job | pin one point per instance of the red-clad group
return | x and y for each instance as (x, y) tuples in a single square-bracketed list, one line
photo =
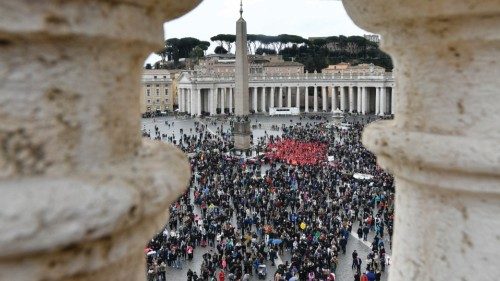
[(296, 152)]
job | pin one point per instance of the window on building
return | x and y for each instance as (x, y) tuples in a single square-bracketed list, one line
[(157, 100), (148, 85), (155, 77), (157, 85), (149, 101), (164, 77), (148, 92), (166, 92), (157, 92)]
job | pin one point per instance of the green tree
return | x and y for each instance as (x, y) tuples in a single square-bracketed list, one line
[(220, 50)]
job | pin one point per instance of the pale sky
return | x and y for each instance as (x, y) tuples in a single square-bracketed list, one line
[(306, 18)]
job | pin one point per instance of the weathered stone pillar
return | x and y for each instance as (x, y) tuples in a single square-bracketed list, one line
[(443, 145), (81, 191)]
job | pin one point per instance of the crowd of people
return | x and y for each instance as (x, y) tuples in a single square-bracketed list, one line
[(291, 201), (294, 152)]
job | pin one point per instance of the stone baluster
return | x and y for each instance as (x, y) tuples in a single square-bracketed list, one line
[(442, 146), (81, 191)]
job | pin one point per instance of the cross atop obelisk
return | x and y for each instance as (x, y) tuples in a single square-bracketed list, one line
[(241, 8)]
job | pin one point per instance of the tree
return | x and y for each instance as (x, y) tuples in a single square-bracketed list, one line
[(220, 50), (197, 53), (224, 39), (172, 49), (163, 53), (267, 51)]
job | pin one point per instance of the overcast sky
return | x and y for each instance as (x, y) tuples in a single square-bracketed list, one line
[(306, 18)]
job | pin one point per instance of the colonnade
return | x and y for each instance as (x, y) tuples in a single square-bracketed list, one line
[(366, 99)]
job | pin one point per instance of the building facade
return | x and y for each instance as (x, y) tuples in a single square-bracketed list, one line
[(360, 69), (224, 64), (158, 91), (365, 93)]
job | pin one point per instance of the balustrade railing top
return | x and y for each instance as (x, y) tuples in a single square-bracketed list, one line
[(196, 77)]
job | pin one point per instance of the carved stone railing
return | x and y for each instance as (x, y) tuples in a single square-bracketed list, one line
[(444, 143), (80, 192), (303, 78)]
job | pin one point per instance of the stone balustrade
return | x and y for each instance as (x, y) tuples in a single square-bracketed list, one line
[(81, 193), (443, 145)]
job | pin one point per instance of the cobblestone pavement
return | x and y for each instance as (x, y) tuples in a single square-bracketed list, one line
[(344, 271)]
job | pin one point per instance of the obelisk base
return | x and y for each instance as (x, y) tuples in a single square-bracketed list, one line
[(241, 135)]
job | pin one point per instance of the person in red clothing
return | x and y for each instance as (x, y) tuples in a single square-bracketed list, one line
[(363, 277), (221, 276)]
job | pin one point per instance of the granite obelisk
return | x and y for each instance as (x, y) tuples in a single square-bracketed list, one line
[(241, 130)]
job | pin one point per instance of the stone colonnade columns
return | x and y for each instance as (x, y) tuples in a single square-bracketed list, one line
[(254, 99), (199, 100), (315, 99), (324, 99), (223, 101), (393, 99), (289, 97), (179, 99), (364, 102), (210, 100), (231, 93), (297, 98), (442, 145), (351, 99), (192, 101), (383, 101), (377, 100), (263, 100), (342, 98), (81, 190), (360, 99), (273, 96), (334, 98), (280, 96), (306, 100), (184, 100)]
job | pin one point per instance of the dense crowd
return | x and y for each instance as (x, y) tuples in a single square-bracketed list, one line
[(250, 212)]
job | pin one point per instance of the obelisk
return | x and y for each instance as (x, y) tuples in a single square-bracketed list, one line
[(241, 130)]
